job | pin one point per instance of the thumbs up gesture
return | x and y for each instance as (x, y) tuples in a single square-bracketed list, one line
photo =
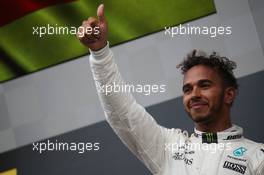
[(93, 32)]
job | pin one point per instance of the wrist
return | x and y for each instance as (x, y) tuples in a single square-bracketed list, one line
[(101, 46), (100, 53)]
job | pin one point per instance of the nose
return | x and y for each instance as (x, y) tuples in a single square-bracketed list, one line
[(196, 92)]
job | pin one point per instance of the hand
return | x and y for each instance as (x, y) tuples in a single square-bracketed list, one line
[(96, 38)]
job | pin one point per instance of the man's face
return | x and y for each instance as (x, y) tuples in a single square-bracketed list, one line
[(203, 93)]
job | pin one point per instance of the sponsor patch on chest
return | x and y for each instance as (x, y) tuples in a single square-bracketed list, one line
[(235, 167), (181, 156)]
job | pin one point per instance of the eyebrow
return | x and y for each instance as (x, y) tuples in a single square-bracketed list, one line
[(204, 81), (199, 82)]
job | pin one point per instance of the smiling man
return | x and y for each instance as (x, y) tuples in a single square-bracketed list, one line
[(209, 89)]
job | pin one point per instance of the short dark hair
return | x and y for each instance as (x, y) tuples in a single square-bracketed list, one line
[(223, 65)]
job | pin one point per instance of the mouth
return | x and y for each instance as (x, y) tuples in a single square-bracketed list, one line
[(198, 105)]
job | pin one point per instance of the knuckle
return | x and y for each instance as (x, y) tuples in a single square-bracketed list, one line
[(91, 19)]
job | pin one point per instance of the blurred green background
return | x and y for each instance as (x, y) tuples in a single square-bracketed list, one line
[(22, 53)]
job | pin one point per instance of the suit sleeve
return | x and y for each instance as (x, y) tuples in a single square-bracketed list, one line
[(260, 160), (135, 127)]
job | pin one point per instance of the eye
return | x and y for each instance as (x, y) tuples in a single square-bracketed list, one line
[(205, 85), (186, 90)]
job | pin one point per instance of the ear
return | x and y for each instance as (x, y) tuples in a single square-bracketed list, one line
[(230, 94)]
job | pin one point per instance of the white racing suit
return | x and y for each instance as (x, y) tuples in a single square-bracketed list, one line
[(171, 151)]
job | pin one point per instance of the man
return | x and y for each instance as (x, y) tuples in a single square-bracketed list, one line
[(209, 89)]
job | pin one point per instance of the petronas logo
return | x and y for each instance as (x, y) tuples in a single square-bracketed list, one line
[(9, 172), (239, 151)]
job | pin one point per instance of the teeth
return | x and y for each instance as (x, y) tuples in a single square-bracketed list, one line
[(197, 104)]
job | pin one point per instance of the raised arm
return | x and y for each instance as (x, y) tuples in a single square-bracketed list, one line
[(130, 121)]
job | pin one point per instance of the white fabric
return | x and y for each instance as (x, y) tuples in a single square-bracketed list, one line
[(170, 151)]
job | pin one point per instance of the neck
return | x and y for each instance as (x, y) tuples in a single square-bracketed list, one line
[(221, 123)]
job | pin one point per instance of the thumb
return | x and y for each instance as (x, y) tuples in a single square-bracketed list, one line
[(100, 13)]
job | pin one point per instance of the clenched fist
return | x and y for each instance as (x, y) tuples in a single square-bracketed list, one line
[(93, 32)]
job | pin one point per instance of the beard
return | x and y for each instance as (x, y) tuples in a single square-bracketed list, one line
[(208, 115)]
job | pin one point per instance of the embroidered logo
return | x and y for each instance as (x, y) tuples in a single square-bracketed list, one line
[(235, 167), (209, 138), (239, 151), (181, 156), (232, 137)]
